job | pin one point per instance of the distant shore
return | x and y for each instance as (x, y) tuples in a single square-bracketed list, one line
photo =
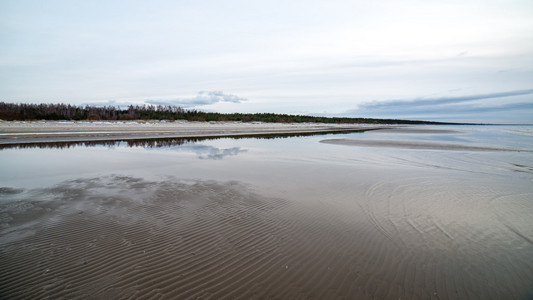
[(21, 132)]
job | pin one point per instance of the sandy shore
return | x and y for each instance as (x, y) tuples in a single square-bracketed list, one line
[(46, 131)]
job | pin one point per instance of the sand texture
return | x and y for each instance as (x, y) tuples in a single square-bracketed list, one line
[(127, 238)]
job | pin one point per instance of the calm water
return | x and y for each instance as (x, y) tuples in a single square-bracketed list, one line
[(405, 223), (237, 159)]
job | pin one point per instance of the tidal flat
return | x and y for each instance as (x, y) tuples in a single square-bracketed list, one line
[(369, 216)]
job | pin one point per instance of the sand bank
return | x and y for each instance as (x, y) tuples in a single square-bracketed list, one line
[(44, 131), (420, 131), (415, 145)]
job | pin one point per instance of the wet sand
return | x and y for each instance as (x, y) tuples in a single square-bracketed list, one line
[(49, 131), (415, 145), (123, 237)]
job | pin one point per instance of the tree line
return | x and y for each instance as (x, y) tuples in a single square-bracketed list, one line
[(29, 112)]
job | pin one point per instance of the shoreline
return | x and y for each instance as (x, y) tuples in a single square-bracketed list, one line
[(24, 132)]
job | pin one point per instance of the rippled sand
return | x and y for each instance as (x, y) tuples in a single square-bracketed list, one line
[(125, 237)]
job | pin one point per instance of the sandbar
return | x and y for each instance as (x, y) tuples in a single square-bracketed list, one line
[(431, 131), (414, 145), (72, 131)]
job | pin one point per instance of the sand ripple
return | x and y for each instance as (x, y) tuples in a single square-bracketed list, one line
[(123, 237)]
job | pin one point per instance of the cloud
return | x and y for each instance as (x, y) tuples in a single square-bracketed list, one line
[(201, 99), (463, 110), (105, 103), (482, 107), (431, 102)]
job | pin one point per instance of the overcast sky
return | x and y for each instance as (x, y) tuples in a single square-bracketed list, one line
[(433, 60)]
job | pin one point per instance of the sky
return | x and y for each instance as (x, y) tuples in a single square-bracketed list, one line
[(466, 61)]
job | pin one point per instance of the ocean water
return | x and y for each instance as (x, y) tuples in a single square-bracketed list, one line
[(432, 212)]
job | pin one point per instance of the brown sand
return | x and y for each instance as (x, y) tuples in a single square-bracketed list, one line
[(127, 238), (169, 239), (45, 131)]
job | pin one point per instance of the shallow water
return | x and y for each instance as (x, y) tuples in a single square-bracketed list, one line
[(281, 217)]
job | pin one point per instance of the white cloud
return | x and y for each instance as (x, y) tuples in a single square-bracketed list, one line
[(201, 99), (464, 108)]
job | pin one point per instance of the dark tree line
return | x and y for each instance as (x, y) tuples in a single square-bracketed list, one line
[(28, 112), (23, 112)]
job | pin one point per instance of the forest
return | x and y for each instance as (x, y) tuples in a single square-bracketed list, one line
[(30, 112)]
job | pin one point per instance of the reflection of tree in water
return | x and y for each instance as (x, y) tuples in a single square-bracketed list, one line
[(160, 143), (186, 144), (145, 143), (155, 142)]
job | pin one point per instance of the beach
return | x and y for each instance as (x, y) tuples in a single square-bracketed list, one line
[(71, 131), (425, 212)]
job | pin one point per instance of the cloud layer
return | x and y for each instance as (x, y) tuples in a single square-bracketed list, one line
[(466, 107), (431, 102), (201, 99)]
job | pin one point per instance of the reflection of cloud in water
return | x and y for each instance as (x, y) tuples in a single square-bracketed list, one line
[(211, 152)]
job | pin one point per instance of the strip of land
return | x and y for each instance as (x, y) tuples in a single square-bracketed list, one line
[(17, 132), (415, 145)]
